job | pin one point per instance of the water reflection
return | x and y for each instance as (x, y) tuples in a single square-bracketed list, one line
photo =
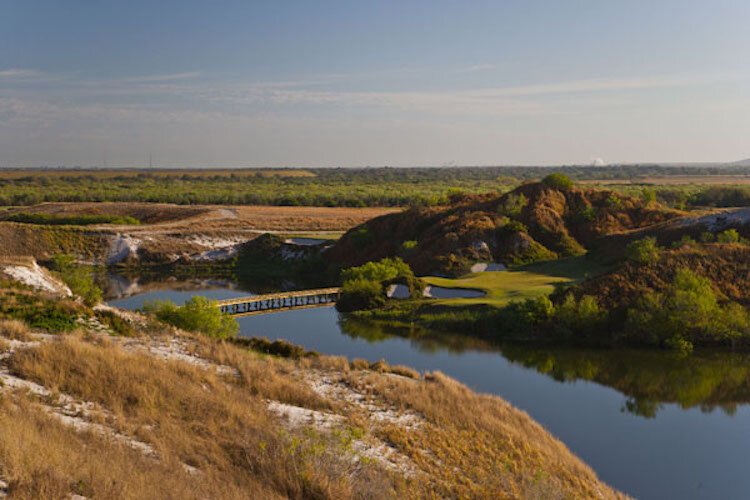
[(706, 380)]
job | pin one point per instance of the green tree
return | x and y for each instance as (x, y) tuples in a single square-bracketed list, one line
[(578, 316), (689, 311), (364, 287), (643, 251), (199, 314), (558, 181)]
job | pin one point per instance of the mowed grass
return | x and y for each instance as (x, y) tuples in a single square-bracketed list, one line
[(524, 282), (322, 235)]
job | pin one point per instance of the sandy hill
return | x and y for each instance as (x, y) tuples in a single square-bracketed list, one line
[(533, 222)]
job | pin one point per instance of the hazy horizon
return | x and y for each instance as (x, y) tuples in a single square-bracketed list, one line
[(303, 84)]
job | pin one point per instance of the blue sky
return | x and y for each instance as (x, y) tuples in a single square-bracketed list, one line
[(334, 83)]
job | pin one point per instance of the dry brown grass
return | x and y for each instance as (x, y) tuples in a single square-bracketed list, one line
[(307, 218), (193, 416), (478, 445), (281, 218), (466, 445), (42, 458), (14, 330), (266, 376)]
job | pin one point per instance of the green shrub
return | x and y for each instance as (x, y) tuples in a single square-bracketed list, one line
[(685, 241), (514, 226), (613, 201), (513, 205), (728, 236), (199, 314), (648, 195), (77, 220), (558, 181), (361, 294), (380, 271), (578, 316), (523, 318), (79, 278), (708, 237), (644, 251), (364, 287), (40, 311), (688, 312), (280, 348), (587, 214), (53, 320), (116, 323), (409, 246)]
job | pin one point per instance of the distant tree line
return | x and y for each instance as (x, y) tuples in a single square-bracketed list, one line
[(345, 187)]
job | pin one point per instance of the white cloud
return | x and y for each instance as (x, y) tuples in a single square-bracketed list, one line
[(476, 67), (18, 73), (163, 78)]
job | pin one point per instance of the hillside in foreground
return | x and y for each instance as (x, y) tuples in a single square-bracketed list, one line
[(534, 222), (105, 403)]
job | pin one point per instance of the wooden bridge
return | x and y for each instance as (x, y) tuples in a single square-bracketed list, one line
[(282, 301)]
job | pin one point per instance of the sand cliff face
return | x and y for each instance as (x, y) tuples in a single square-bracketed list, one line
[(533, 222)]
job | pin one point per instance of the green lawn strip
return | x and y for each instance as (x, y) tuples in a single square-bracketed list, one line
[(520, 283), (322, 235)]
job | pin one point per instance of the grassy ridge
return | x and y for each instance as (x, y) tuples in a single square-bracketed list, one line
[(71, 220)]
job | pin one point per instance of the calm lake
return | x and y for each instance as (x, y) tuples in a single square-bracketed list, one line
[(652, 424)]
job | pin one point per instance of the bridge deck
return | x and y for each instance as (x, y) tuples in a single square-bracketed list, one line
[(281, 301), (278, 295)]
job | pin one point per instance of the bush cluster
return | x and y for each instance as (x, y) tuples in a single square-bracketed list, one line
[(572, 319), (558, 181), (643, 251), (199, 314), (79, 278), (689, 312), (364, 287)]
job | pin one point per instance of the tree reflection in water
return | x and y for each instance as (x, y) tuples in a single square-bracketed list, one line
[(706, 379)]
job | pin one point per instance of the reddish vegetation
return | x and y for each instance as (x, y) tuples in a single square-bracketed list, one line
[(727, 266), (485, 228)]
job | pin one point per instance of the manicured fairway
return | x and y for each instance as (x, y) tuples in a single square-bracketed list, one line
[(520, 283)]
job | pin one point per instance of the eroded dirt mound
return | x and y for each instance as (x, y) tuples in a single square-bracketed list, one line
[(533, 222)]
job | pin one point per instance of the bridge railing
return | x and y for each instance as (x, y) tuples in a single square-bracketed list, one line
[(256, 304)]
